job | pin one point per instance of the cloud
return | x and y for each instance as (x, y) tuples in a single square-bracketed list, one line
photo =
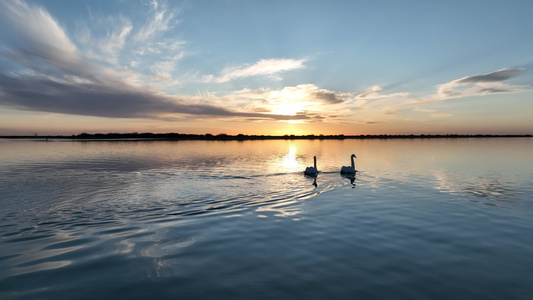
[(329, 96), (42, 70), (305, 93), (161, 69), (143, 47), (269, 67), (19, 16), (373, 92), (496, 76), (110, 43), (484, 84), (32, 38), (304, 99), (158, 22), (475, 85), (69, 96)]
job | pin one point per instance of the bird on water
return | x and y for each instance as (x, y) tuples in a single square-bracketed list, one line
[(311, 171), (349, 169)]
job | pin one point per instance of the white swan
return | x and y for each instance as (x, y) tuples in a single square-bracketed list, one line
[(311, 170), (349, 170)]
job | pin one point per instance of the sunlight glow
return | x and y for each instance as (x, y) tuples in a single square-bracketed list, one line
[(288, 109), (295, 121)]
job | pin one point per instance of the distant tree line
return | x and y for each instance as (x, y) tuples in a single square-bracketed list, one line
[(227, 137)]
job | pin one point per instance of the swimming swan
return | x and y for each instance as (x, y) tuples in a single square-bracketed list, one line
[(349, 170), (311, 170)]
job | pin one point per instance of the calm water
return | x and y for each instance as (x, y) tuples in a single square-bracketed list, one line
[(423, 219)]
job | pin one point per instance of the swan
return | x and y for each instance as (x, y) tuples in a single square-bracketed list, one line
[(311, 170), (349, 170)]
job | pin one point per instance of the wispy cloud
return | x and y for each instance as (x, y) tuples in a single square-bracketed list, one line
[(37, 41), (483, 84), (161, 69), (374, 92), (110, 43), (160, 19), (140, 49), (475, 85), (264, 67)]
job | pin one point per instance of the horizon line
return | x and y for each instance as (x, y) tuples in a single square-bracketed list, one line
[(223, 136)]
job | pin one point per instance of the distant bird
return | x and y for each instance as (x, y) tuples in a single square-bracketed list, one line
[(312, 171), (349, 170)]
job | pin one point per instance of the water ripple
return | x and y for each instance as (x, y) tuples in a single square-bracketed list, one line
[(167, 221)]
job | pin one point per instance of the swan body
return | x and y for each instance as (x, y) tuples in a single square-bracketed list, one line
[(349, 169), (311, 170)]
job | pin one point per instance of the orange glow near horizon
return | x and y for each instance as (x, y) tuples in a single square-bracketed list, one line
[(54, 124)]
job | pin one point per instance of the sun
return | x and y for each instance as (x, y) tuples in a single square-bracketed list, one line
[(294, 121), (288, 109)]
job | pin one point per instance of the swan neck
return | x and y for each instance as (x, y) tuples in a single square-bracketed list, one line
[(314, 159), (353, 163)]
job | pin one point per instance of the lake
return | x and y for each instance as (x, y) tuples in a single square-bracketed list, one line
[(422, 219)]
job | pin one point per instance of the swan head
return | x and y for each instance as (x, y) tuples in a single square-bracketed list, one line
[(353, 155)]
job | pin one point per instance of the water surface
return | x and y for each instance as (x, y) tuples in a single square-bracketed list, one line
[(422, 219)]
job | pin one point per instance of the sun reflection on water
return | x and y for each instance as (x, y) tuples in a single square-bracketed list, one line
[(289, 160), (286, 163)]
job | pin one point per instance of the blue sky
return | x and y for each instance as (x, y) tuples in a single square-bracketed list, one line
[(266, 67)]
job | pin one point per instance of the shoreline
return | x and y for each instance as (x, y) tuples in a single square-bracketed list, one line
[(242, 137)]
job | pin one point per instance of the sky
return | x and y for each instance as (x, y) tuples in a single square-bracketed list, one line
[(266, 67)]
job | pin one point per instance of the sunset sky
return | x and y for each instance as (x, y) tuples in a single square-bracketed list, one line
[(266, 67)]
